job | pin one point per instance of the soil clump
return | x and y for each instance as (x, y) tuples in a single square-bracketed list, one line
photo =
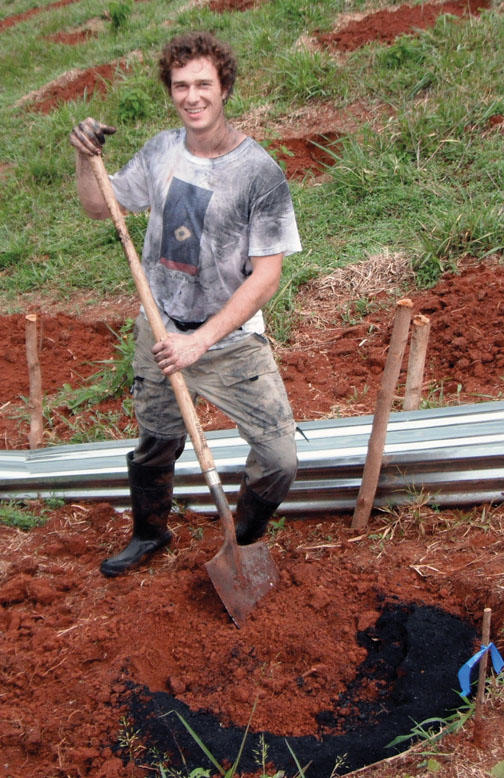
[(389, 23)]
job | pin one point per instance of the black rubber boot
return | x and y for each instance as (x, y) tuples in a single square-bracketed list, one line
[(252, 516), (151, 498)]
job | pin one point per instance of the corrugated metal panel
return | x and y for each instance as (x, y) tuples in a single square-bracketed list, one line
[(455, 454)]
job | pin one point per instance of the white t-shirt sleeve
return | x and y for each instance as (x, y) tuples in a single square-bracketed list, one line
[(131, 185), (273, 228)]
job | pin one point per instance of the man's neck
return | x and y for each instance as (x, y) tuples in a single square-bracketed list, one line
[(215, 142)]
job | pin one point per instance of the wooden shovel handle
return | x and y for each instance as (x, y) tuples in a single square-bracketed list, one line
[(177, 381)]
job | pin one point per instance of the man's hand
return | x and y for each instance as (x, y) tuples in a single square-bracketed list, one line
[(88, 136), (177, 351)]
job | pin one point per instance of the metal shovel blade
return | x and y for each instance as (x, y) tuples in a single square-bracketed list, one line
[(242, 575)]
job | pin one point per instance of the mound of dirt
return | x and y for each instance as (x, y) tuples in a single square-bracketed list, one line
[(357, 638), (388, 24), (75, 84)]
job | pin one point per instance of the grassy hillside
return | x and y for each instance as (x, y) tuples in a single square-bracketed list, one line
[(423, 175)]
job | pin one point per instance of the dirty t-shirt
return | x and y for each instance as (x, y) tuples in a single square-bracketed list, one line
[(207, 218)]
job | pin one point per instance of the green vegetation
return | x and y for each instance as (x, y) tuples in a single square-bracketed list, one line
[(423, 175), (132, 745), (260, 755), (73, 408), (433, 729), (119, 13), (111, 380), (15, 513)]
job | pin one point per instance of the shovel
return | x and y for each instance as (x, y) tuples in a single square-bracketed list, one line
[(241, 575)]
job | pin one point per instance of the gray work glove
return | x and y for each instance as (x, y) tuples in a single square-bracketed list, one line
[(88, 136)]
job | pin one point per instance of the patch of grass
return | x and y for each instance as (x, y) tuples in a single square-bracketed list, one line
[(93, 426), (424, 176), (459, 230), (278, 310), (436, 397), (302, 76), (119, 12), (433, 729), (13, 252), (260, 754), (132, 105), (111, 380), (25, 516)]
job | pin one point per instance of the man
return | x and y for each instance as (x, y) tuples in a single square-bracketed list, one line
[(221, 221)]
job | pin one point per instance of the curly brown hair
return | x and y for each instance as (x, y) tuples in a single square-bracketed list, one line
[(183, 48)]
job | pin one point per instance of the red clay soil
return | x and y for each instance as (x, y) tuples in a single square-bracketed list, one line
[(220, 6), (85, 82), (72, 38), (10, 21), (386, 25), (87, 662), (300, 156)]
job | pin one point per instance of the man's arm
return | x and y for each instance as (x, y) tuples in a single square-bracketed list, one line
[(88, 190), (178, 351), (88, 138)]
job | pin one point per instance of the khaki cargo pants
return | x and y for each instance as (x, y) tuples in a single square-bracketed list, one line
[(243, 381)]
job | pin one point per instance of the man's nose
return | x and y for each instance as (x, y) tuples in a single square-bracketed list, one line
[(193, 94)]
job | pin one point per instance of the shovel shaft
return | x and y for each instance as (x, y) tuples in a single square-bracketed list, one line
[(177, 381)]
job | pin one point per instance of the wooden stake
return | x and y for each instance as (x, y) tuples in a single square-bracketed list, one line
[(483, 664), (420, 330), (384, 402), (35, 379)]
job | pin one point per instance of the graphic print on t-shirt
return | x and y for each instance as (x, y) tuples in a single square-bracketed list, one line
[(183, 217)]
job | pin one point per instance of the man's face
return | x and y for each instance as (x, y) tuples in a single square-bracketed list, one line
[(197, 94)]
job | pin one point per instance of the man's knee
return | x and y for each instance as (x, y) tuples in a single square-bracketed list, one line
[(271, 468), (158, 452), (287, 465)]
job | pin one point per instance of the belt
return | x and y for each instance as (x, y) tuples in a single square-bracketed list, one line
[(186, 326)]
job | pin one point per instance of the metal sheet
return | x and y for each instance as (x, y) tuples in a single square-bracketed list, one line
[(455, 454)]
